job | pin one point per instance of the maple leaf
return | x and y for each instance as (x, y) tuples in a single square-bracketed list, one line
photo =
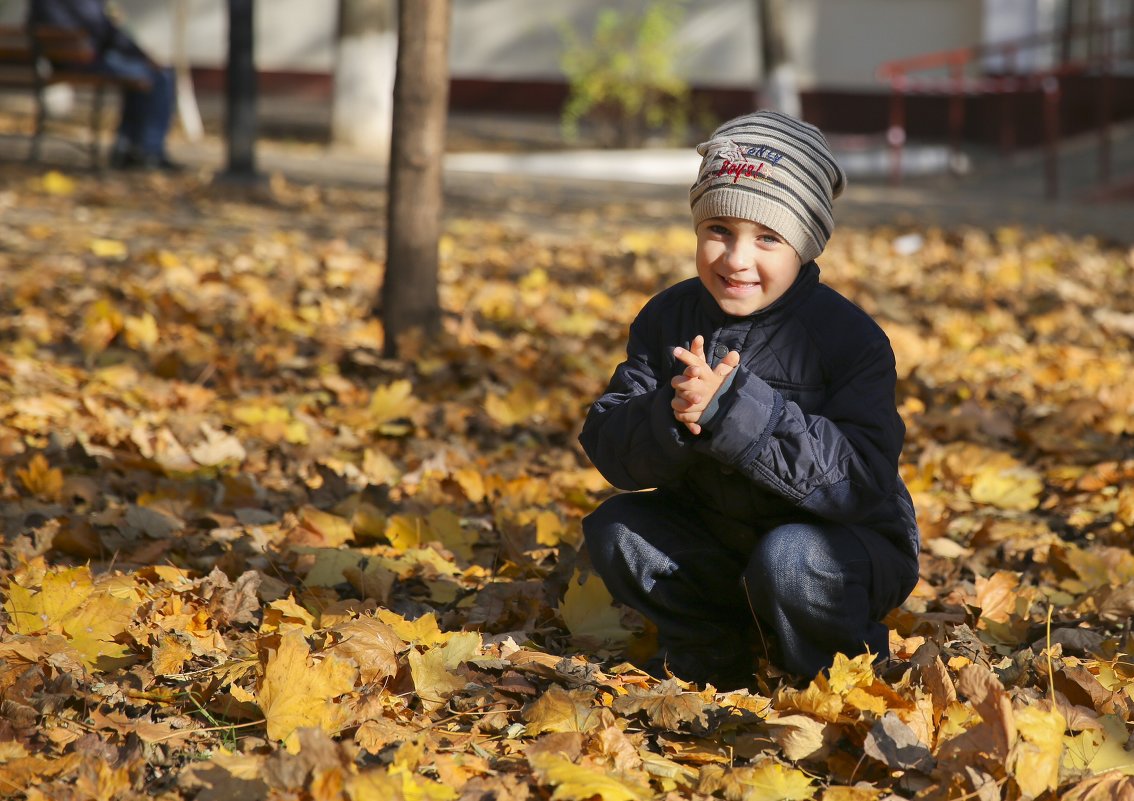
[(95, 626), (101, 324), (996, 595), (298, 690), (1099, 750), (284, 614), (846, 673), (330, 566), (799, 737), (421, 631), (408, 758), (1015, 488), (40, 478), (895, 744), (666, 706), (559, 710), (616, 749), (392, 403), (218, 448), (375, 785), (816, 700), (141, 333), (1111, 786), (471, 483), (169, 655), (580, 783), (524, 401), (587, 611), (1035, 757), (434, 672), (60, 594), (333, 530), (767, 781), (406, 531), (98, 781)]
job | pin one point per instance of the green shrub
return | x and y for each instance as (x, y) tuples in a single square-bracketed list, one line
[(622, 78)]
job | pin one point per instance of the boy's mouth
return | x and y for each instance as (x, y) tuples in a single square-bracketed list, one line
[(734, 284)]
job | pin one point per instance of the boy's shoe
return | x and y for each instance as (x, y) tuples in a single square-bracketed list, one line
[(704, 665)]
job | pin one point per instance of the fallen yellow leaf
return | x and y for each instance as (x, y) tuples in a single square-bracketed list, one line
[(1035, 757), (40, 478), (298, 690), (587, 611), (56, 183), (1016, 488), (579, 783), (109, 248)]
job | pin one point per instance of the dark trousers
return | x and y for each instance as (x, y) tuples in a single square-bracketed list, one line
[(820, 588), (146, 114)]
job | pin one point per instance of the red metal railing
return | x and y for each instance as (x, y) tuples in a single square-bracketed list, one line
[(1081, 49)]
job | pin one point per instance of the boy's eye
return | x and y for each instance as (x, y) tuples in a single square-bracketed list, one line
[(719, 230), (769, 239)]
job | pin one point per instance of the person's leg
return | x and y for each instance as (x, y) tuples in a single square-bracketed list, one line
[(128, 141), (655, 556), (156, 112), (146, 113), (819, 588)]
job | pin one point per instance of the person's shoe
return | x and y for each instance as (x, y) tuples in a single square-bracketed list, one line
[(122, 158), (725, 671), (158, 162)]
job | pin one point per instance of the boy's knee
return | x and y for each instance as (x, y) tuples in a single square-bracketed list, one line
[(805, 565), (606, 529)]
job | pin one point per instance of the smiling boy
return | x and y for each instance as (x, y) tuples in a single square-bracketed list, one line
[(756, 406)]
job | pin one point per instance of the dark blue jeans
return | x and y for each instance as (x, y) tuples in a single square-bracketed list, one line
[(146, 114), (819, 587)]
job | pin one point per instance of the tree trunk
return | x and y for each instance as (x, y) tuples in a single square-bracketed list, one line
[(365, 60), (779, 89), (409, 297), (240, 92)]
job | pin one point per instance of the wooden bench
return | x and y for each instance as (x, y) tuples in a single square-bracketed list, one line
[(34, 58)]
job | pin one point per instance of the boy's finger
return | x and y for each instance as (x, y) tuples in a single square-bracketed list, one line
[(688, 357), (680, 404), (727, 364), (698, 347)]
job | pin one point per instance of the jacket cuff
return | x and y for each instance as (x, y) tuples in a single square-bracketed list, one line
[(745, 420), (715, 403), (673, 437)]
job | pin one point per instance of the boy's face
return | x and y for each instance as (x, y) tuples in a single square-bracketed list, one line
[(744, 265)]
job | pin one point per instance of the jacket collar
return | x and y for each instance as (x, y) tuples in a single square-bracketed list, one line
[(805, 282)]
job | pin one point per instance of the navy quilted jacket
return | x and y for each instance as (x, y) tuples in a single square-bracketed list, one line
[(808, 425)]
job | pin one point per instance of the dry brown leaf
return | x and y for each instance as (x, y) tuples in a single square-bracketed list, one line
[(666, 706)]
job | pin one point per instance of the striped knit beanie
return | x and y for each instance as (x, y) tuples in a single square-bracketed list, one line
[(772, 169)]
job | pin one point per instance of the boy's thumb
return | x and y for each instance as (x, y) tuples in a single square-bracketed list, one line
[(731, 360)]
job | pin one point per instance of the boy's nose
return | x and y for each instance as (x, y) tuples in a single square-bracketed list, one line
[(742, 254)]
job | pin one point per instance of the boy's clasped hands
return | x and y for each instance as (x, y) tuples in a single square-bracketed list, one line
[(695, 387)]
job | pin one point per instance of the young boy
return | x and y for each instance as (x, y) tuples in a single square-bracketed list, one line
[(757, 406)]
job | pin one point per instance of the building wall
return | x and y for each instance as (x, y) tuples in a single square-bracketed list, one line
[(835, 43)]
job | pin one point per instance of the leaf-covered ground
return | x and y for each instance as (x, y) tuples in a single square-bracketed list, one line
[(245, 557)]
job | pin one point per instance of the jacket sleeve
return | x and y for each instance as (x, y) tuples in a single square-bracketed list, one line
[(838, 465), (630, 433)]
